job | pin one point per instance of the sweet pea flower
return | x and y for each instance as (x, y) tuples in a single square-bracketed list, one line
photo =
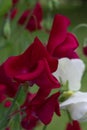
[(29, 121), (35, 65), (73, 126), (47, 108), (77, 106), (39, 110), (34, 20), (62, 43), (70, 70)]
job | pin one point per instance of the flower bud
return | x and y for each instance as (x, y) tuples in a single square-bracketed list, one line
[(7, 30)]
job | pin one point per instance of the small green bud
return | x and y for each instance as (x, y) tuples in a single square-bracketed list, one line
[(65, 95), (7, 30)]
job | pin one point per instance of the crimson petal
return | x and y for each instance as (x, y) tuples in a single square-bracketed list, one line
[(66, 49), (46, 110), (31, 64), (73, 126), (58, 32)]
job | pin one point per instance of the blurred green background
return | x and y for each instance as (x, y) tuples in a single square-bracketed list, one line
[(20, 39)]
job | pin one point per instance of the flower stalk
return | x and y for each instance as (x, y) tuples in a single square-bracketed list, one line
[(44, 127), (5, 120)]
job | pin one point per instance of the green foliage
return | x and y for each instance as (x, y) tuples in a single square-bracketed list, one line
[(5, 6)]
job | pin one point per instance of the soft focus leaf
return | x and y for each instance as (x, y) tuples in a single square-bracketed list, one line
[(5, 6)]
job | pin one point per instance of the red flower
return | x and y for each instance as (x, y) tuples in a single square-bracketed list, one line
[(13, 13), (35, 18), (47, 108), (34, 65), (14, 2), (39, 110), (7, 86), (85, 50), (62, 43), (29, 123), (7, 128), (73, 126), (13, 10), (30, 120)]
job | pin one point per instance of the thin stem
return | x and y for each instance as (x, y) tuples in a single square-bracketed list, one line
[(79, 26), (44, 127), (15, 112), (5, 120), (69, 116), (29, 16)]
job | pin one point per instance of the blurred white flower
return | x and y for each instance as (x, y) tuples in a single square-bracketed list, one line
[(70, 70), (77, 106)]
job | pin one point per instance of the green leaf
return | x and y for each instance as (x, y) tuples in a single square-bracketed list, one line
[(15, 123), (5, 5)]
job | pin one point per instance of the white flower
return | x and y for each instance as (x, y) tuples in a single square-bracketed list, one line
[(77, 106), (70, 70)]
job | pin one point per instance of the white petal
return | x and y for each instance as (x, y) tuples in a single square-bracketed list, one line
[(74, 99), (78, 111), (77, 106), (71, 70)]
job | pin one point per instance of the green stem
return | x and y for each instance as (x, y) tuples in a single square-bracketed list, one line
[(5, 120), (79, 26), (44, 127), (69, 116)]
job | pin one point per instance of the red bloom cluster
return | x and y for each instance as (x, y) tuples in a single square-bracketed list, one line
[(33, 18), (73, 126), (35, 66)]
